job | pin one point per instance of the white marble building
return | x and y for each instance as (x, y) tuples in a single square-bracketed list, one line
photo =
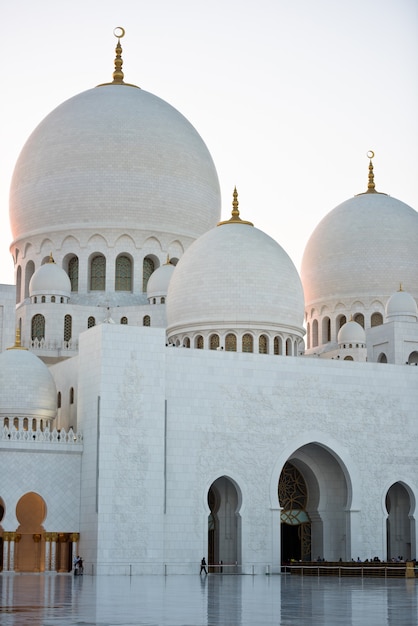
[(170, 387)]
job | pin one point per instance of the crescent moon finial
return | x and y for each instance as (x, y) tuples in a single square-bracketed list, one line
[(119, 32), (370, 154)]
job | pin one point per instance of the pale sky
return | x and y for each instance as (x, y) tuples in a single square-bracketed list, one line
[(288, 95)]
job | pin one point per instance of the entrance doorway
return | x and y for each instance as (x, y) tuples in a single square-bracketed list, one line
[(224, 526), (398, 523), (295, 522)]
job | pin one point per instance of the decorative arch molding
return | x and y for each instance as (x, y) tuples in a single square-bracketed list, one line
[(28, 249), (125, 241), (408, 485), (152, 245), (340, 307), (335, 449), (238, 482), (325, 310), (46, 247), (175, 249), (98, 242), (69, 244)]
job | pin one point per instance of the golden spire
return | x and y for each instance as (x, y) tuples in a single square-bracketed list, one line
[(118, 75), (400, 287), (168, 260), (17, 345), (51, 258), (235, 218), (371, 188)]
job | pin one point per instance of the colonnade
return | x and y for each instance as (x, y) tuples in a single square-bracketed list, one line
[(53, 559)]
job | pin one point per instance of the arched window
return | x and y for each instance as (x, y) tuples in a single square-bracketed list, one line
[(326, 330), (52, 298), (146, 321), (308, 335), (148, 267), (289, 347), (376, 319), (263, 344), (247, 343), (72, 395), (199, 343), (162, 300), (91, 322), (43, 299), (38, 327), (29, 272), (214, 342), (359, 318), (230, 343), (18, 284), (348, 358), (123, 273), (68, 327), (314, 333), (382, 358), (59, 400), (278, 345), (186, 342), (73, 273), (98, 273), (341, 321), (124, 320)]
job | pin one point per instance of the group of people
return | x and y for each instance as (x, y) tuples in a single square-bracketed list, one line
[(78, 566)]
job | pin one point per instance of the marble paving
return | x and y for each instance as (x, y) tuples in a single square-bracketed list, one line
[(213, 600)]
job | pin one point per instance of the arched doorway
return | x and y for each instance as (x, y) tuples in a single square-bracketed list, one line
[(224, 525), (295, 522), (30, 513), (398, 523), (315, 500)]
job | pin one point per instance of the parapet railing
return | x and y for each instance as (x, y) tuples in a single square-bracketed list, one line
[(370, 569), (44, 436)]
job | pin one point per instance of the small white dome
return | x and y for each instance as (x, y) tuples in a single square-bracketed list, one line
[(402, 305), (49, 279), (235, 277), (18, 368), (351, 333), (158, 282)]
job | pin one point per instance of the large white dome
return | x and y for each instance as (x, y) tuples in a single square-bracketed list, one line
[(114, 157), (18, 368), (235, 277), (365, 247)]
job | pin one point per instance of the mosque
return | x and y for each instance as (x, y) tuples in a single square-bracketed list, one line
[(170, 387)]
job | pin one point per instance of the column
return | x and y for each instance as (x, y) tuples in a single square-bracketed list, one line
[(276, 547), (12, 537), (6, 552), (37, 540), (62, 542), (54, 537), (47, 537)]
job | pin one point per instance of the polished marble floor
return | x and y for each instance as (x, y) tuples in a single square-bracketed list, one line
[(213, 600)]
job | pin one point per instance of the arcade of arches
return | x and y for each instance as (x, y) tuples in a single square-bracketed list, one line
[(313, 495), (29, 548)]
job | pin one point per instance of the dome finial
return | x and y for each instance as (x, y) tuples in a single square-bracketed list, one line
[(371, 186), (51, 258), (235, 218), (400, 287), (18, 345), (118, 75)]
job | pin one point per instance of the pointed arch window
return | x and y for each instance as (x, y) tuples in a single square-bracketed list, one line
[(123, 273), (38, 327), (73, 273), (98, 273), (146, 321), (148, 267)]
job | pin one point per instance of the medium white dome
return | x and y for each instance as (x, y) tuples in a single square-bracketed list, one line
[(351, 333), (158, 282), (49, 279), (114, 157), (362, 248), (235, 277), (39, 398), (401, 304)]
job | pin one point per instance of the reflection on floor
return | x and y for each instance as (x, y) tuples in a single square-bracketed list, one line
[(63, 600)]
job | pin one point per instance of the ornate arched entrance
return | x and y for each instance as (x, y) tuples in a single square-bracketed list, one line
[(398, 523), (30, 513), (295, 522), (224, 525)]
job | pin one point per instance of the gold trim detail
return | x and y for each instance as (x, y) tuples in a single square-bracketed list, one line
[(18, 345), (118, 75), (235, 218), (371, 187)]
